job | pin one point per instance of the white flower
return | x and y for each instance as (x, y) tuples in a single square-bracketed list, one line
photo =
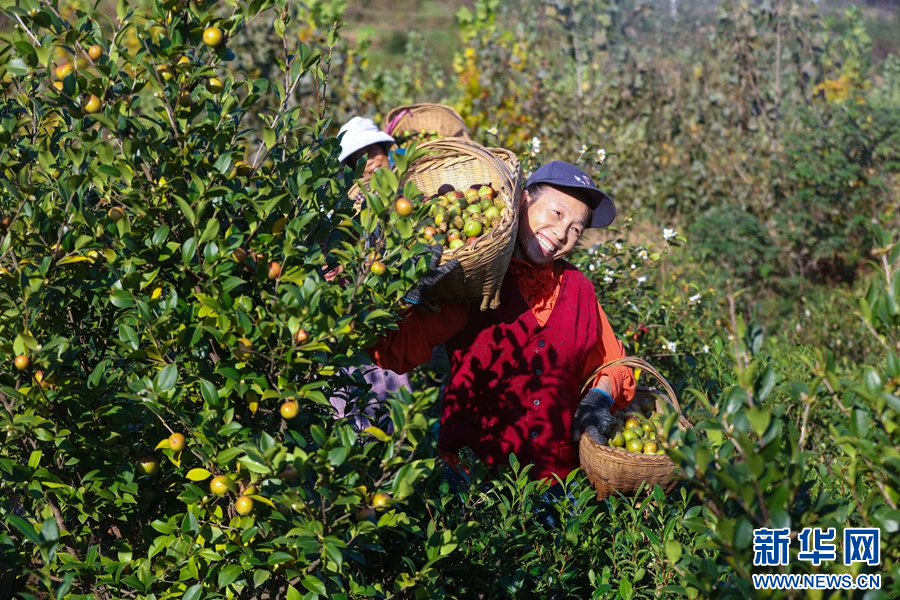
[(609, 273), (643, 255), (798, 327), (591, 267), (670, 346), (705, 349), (535, 145), (641, 279), (633, 267), (668, 234), (807, 312), (617, 245), (601, 155), (584, 148), (695, 298), (607, 279), (493, 130)]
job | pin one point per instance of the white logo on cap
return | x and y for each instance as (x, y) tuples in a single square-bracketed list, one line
[(583, 180)]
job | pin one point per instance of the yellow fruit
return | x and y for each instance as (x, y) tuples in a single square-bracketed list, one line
[(39, 379), (116, 213), (243, 505), (215, 85), (252, 402), (245, 347), (239, 255), (632, 423), (380, 500), (378, 268), (58, 85), (63, 70), (628, 435), (650, 448), (92, 104), (289, 410), (302, 336), (219, 485), (22, 362), (212, 36), (184, 61), (165, 72), (618, 441), (274, 270), (634, 445), (403, 207), (95, 52), (176, 442), (148, 465), (647, 426)]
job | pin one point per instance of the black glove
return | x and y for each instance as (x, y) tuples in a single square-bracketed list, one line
[(592, 416), (437, 272)]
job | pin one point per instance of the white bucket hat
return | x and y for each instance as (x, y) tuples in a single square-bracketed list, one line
[(360, 132)]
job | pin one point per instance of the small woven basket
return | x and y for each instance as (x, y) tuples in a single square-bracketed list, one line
[(442, 120), (483, 262), (615, 469)]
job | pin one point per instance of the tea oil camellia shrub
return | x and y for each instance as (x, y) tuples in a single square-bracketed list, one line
[(164, 299)]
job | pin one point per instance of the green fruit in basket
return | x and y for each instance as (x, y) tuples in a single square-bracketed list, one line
[(629, 435), (635, 446), (458, 223), (473, 229), (491, 212), (486, 202), (650, 448), (499, 202), (472, 195), (453, 234), (457, 243), (618, 441), (474, 208), (454, 211), (660, 451), (486, 190), (647, 426)]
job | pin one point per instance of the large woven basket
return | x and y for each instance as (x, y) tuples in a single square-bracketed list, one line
[(615, 469), (441, 119), (483, 262)]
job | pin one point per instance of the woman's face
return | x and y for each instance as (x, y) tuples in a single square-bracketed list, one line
[(376, 159), (550, 226)]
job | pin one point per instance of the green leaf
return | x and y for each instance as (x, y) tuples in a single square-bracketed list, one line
[(673, 551), (759, 419), (188, 250), (167, 378), (314, 584), (293, 594), (193, 593), (198, 474), (209, 393), (228, 574)]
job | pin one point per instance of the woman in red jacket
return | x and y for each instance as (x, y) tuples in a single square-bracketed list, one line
[(516, 372)]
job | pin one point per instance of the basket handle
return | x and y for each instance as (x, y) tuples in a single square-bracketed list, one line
[(633, 361), (500, 168)]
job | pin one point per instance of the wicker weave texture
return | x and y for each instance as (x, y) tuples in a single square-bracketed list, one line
[(483, 263), (617, 470), (441, 119)]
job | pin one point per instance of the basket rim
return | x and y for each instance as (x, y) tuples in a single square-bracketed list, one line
[(414, 109), (634, 361)]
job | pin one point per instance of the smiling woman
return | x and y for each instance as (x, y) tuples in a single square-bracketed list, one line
[(516, 372)]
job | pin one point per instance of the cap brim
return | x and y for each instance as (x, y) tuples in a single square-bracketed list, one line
[(375, 137), (603, 209)]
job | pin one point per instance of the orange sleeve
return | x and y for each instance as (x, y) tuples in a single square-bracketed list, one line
[(411, 345), (609, 348)]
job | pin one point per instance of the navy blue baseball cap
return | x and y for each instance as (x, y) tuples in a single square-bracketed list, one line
[(569, 177)]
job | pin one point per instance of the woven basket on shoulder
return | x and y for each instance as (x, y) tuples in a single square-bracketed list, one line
[(483, 262), (615, 469), (442, 120)]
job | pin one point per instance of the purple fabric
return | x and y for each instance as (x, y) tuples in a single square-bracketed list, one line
[(384, 383)]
